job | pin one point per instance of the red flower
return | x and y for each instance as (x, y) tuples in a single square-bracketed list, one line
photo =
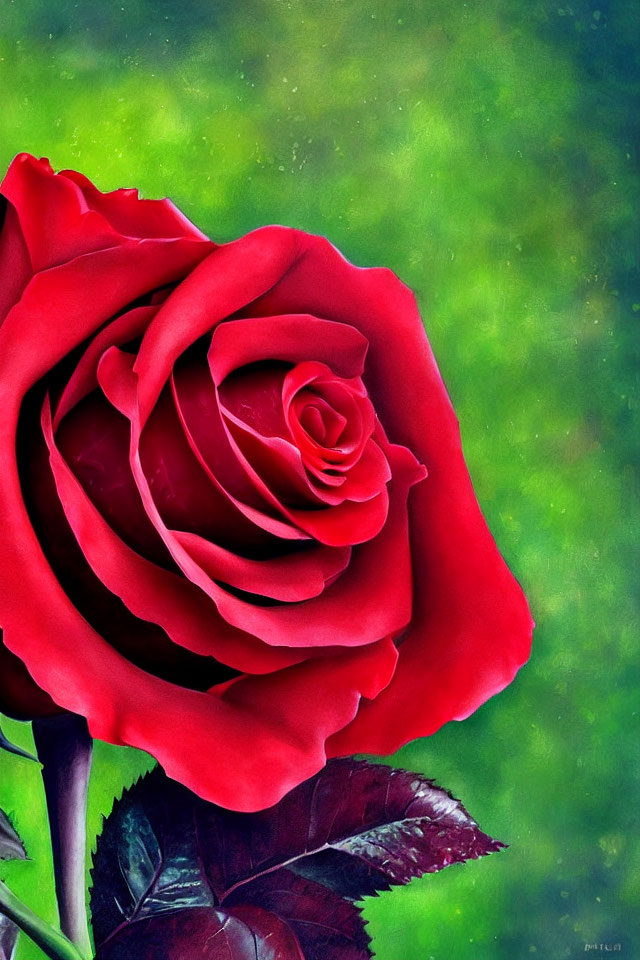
[(220, 542)]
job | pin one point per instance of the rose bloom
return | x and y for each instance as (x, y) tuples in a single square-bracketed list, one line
[(237, 527)]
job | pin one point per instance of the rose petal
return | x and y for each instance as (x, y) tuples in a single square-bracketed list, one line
[(68, 228), (350, 522), (292, 578), (94, 441), (182, 490), (217, 449), (254, 396), (197, 405), (63, 215), (15, 266), (288, 338), (84, 378), (132, 216), (200, 416), (63, 306)]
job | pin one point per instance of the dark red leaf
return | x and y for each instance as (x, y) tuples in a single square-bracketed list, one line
[(246, 934), (325, 924), (288, 874), (355, 827)]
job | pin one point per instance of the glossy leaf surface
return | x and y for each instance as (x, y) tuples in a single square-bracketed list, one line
[(173, 869)]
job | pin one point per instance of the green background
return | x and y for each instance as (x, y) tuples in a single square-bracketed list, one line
[(483, 150)]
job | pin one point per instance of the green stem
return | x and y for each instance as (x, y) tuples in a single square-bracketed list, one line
[(50, 940)]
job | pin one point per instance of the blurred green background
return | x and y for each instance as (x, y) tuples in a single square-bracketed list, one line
[(484, 151)]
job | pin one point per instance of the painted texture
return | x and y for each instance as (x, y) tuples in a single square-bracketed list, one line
[(484, 152)]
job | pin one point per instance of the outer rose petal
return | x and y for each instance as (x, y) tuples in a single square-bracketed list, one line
[(63, 216), (15, 266), (470, 629), (133, 217)]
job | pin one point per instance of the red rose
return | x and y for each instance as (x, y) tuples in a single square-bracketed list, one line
[(237, 527)]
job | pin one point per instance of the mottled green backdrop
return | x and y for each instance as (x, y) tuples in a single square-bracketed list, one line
[(484, 151)]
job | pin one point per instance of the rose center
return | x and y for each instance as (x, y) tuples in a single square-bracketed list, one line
[(321, 422)]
